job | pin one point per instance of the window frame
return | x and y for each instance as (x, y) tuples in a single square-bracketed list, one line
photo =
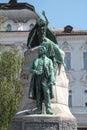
[(85, 60), (9, 27), (67, 61)]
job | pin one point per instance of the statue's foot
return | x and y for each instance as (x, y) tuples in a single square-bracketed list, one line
[(48, 111), (38, 111)]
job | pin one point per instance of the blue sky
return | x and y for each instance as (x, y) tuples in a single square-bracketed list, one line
[(61, 12)]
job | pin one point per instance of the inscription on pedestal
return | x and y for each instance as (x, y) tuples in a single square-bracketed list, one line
[(41, 126), (16, 125), (69, 125)]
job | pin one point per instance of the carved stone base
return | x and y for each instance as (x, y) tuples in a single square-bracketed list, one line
[(62, 118), (43, 122)]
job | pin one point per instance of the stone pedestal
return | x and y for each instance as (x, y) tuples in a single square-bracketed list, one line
[(62, 119), (44, 122)]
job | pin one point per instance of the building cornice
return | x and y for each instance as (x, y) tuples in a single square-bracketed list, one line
[(60, 32)]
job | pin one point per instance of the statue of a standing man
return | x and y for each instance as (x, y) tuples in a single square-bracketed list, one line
[(42, 81)]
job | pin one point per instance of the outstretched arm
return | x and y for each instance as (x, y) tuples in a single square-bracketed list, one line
[(47, 22)]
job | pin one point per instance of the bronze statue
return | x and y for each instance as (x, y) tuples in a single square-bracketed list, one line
[(38, 32), (41, 34), (46, 66), (42, 81)]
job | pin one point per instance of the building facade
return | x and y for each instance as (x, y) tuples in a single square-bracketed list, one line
[(16, 21), (14, 30), (16, 16), (74, 44)]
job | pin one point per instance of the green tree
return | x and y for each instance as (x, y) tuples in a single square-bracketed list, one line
[(10, 87)]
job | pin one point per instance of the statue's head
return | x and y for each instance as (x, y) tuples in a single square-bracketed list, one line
[(40, 22), (41, 50)]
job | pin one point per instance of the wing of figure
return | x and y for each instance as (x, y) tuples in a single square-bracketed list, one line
[(33, 39), (50, 35)]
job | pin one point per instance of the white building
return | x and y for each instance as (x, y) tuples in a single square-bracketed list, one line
[(74, 44), (18, 19), (17, 16)]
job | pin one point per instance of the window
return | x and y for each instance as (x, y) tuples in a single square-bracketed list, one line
[(85, 92), (86, 104), (9, 28), (70, 91), (31, 26), (70, 98), (68, 60), (85, 60)]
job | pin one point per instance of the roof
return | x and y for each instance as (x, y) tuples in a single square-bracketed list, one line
[(22, 15), (18, 12), (13, 4)]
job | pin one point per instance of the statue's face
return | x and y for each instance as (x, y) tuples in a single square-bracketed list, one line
[(42, 31), (41, 51), (40, 22)]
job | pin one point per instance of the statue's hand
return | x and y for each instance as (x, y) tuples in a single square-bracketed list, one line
[(36, 72), (51, 84), (43, 13)]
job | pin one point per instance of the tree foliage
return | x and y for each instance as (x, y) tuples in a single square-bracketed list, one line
[(10, 87)]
